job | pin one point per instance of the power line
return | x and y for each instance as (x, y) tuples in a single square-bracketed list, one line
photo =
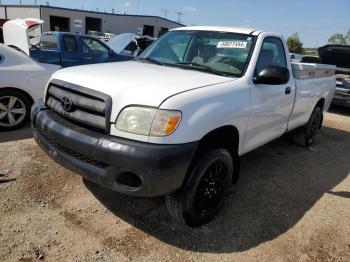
[(179, 15), (165, 12)]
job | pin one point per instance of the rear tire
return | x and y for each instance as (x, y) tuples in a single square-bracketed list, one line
[(203, 194), (305, 135), (14, 109)]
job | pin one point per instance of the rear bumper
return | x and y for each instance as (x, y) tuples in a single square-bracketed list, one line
[(126, 166)]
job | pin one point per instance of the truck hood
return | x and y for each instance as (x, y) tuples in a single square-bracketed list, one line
[(18, 32), (136, 82)]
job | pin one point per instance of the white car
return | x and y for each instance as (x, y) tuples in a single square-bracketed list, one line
[(22, 82), (176, 120)]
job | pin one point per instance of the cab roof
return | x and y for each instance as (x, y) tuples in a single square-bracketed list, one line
[(239, 30)]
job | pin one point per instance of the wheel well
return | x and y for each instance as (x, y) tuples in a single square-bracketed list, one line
[(18, 90), (321, 103), (226, 137)]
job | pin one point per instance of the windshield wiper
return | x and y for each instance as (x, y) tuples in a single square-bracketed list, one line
[(150, 60), (203, 68)]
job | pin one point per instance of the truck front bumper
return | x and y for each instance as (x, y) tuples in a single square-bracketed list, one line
[(126, 166), (342, 97)]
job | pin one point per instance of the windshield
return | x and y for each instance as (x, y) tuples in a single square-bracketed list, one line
[(214, 52)]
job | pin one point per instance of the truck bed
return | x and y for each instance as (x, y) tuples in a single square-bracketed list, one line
[(312, 81), (308, 70)]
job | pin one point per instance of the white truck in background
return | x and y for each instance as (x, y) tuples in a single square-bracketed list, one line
[(176, 120)]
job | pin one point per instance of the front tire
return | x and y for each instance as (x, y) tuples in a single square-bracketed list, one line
[(203, 194), (305, 135), (14, 109)]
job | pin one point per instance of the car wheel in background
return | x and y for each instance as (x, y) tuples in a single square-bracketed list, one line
[(14, 109)]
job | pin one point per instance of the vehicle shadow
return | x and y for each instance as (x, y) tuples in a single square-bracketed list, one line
[(340, 194), (279, 183), (20, 134), (4, 181)]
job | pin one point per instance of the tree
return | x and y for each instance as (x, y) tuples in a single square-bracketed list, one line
[(294, 44), (347, 38), (338, 39)]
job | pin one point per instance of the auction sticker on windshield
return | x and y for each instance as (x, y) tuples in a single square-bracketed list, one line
[(232, 44)]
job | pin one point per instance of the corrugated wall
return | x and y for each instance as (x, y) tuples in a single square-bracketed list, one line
[(2, 12), (23, 12), (115, 24), (122, 24)]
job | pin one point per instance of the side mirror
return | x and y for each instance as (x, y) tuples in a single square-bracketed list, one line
[(272, 75)]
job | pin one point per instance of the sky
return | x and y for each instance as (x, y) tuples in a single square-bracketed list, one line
[(314, 20)]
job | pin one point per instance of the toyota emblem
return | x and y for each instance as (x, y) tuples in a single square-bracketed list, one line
[(67, 104)]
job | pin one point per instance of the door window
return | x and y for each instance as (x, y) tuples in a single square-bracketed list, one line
[(95, 47), (48, 41), (271, 54), (70, 44)]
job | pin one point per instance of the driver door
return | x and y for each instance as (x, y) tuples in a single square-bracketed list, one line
[(271, 105)]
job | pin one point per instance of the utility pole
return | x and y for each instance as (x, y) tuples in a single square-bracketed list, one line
[(138, 7), (165, 12), (179, 15)]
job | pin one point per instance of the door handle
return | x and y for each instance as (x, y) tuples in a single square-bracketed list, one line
[(288, 90)]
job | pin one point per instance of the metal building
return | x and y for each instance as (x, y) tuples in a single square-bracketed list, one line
[(82, 21)]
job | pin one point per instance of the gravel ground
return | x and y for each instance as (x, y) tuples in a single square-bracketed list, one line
[(291, 204)]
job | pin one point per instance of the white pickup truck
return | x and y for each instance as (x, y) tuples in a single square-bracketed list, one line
[(176, 120)]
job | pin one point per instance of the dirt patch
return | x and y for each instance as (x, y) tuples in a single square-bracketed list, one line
[(132, 244), (324, 246)]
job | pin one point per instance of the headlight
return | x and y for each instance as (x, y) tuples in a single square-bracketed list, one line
[(137, 120), (148, 121)]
